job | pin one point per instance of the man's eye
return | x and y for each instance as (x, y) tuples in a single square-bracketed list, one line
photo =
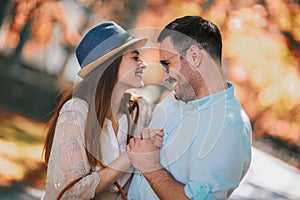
[(165, 65), (164, 62)]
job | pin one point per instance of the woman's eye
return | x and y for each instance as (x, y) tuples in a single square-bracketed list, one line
[(135, 58)]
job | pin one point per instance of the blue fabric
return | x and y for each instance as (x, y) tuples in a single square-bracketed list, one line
[(206, 147), (194, 190)]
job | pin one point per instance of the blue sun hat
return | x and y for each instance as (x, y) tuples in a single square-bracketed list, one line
[(101, 43)]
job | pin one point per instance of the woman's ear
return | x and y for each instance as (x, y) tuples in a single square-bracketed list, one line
[(194, 56)]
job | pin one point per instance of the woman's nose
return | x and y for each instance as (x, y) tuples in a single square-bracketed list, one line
[(142, 64)]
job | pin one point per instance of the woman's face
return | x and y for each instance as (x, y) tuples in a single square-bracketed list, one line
[(131, 70)]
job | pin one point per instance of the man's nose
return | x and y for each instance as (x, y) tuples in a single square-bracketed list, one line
[(165, 76)]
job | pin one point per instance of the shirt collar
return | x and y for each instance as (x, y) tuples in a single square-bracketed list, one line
[(207, 101)]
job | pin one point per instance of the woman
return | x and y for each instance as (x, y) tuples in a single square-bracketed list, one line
[(87, 137)]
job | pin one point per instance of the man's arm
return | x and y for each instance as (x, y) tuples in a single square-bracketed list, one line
[(145, 158), (164, 185)]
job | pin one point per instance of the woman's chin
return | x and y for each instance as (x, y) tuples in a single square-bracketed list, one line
[(140, 84), (137, 85)]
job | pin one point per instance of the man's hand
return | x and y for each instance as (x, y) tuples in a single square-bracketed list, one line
[(144, 151)]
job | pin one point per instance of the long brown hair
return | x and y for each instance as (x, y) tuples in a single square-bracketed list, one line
[(98, 96)]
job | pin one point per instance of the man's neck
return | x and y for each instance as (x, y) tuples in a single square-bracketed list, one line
[(213, 81)]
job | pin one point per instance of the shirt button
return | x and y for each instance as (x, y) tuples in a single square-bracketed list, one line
[(206, 187)]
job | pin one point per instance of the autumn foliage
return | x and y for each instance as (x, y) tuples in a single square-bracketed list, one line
[(261, 47), (261, 55)]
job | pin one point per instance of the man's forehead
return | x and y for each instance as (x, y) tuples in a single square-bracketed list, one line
[(166, 47)]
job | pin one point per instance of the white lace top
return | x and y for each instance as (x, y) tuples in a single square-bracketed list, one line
[(68, 159)]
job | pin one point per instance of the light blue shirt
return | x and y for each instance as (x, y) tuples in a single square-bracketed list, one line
[(206, 147)]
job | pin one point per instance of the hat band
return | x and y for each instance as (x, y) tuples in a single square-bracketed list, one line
[(105, 47)]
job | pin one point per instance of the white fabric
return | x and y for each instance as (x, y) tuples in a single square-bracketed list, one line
[(68, 159)]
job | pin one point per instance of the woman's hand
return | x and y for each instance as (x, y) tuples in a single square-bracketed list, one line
[(143, 150), (155, 136)]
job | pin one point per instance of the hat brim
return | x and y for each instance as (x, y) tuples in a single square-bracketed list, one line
[(138, 42)]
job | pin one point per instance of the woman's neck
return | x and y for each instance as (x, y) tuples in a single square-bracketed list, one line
[(117, 95)]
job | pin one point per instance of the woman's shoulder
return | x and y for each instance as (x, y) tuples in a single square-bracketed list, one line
[(75, 105)]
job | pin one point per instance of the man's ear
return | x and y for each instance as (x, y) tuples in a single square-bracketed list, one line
[(194, 56)]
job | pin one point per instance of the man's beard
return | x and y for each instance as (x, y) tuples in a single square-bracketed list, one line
[(183, 89)]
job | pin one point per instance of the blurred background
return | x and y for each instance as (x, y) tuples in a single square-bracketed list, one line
[(261, 57)]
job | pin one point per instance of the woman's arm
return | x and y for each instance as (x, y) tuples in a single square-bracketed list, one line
[(112, 172), (68, 160)]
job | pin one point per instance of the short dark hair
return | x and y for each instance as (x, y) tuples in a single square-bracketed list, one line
[(189, 30)]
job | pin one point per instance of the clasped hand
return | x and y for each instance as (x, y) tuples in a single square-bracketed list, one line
[(143, 150)]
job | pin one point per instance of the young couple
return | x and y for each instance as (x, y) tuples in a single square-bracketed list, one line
[(196, 145)]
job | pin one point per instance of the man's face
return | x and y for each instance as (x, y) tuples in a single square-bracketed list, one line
[(177, 71)]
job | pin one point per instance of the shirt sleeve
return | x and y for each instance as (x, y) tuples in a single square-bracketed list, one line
[(216, 175), (68, 160), (196, 190)]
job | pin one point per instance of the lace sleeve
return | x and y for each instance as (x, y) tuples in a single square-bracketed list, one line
[(68, 160)]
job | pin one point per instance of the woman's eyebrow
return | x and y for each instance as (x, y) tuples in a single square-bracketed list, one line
[(135, 52)]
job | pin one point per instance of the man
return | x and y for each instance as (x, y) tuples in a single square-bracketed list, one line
[(207, 135)]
